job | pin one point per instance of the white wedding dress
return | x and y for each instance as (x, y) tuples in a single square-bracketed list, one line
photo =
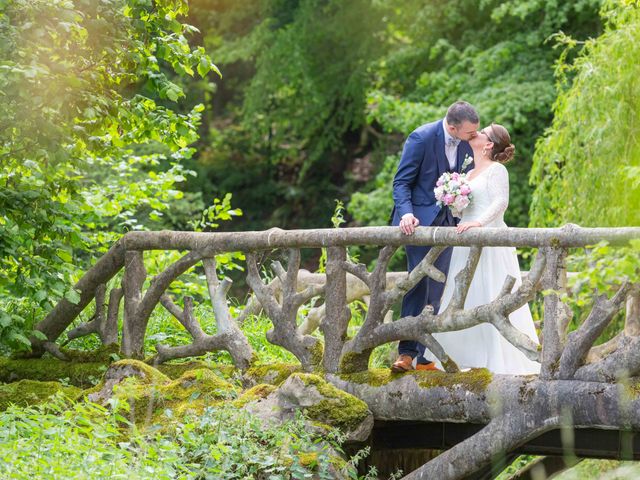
[(482, 346)]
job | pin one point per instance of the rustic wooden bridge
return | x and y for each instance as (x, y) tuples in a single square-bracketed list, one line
[(591, 388)]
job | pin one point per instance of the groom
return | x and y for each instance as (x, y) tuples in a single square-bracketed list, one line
[(430, 150)]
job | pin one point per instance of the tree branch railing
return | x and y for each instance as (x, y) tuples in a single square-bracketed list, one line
[(282, 298), (569, 360)]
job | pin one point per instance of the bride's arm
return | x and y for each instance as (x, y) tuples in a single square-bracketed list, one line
[(498, 192), (498, 180)]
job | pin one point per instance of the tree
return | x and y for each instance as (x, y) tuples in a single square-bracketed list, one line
[(72, 173)]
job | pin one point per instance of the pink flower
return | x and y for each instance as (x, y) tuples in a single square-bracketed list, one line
[(448, 199), (461, 203), (440, 182), (465, 189), (455, 175)]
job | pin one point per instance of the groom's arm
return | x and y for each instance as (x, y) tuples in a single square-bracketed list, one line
[(407, 173)]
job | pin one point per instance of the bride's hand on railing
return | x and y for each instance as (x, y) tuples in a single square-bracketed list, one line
[(408, 224), (466, 226)]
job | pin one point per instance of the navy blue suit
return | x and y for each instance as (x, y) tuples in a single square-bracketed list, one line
[(423, 161)]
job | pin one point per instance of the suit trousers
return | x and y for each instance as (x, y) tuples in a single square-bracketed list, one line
[(427, 291)]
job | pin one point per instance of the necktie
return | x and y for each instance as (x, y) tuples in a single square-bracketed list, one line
[(452, 142)]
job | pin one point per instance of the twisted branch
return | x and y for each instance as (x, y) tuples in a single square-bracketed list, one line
[(631, 329), (581, 340), (104, 325), (463, 279), (229, 337), (283, 316), (496, 313), (425, 268)]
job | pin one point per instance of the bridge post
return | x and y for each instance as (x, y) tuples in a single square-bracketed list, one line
[(132, 331), (555, 279), (336, 321)]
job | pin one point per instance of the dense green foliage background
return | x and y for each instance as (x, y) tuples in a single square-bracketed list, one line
[(319, 95), (587, 168)]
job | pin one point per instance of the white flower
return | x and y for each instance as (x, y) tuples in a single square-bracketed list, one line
[(461, 202)]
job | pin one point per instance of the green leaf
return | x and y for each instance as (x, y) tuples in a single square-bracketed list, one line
[(65, 256), (204, 66), (18, 338), (72, 296), (39, 335)]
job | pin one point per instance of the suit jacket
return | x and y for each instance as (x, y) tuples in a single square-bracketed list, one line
[(423, 161)]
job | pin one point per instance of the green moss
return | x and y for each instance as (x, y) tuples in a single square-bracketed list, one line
[(273, 374), (475, 380), (308, 459), (317, 353), (196, 390), (255, 359), (324, 427), (147, 373), (32, 392), (104, 354), (256, 393), (338, 409), (139, 389), (48, 369), (347, 363), (376, 377), (176, 370), (152, 396), (338, 462), (202, 381)]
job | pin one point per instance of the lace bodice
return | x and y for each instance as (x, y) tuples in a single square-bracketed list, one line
[(490, 192)]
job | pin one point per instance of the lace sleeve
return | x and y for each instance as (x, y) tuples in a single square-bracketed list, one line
[(498, 188)]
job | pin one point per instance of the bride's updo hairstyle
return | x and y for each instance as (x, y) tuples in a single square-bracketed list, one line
[(503, 149)]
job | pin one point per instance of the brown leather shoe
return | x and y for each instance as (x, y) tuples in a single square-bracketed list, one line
[(427, 366), (404, 363)]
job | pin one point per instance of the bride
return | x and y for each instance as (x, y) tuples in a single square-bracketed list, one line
[(482, 345)]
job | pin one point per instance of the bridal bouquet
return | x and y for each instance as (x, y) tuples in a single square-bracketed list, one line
[(453, 190)]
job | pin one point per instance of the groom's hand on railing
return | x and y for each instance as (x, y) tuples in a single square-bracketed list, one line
[(408, 223)]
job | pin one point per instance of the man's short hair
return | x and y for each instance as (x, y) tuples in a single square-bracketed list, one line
[(460, 112)]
